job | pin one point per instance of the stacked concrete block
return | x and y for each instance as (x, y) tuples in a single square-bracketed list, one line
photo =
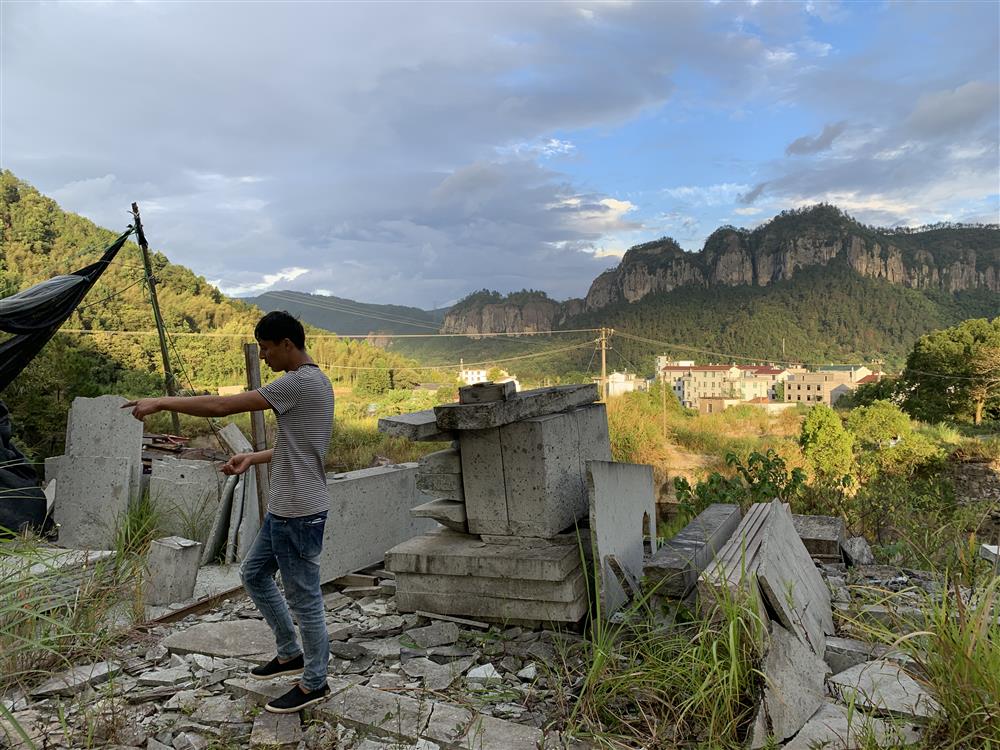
[(439, 475), (511, 494), (100, 474)]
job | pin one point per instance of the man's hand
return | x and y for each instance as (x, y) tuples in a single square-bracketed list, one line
[(143, 407), (238, 464)]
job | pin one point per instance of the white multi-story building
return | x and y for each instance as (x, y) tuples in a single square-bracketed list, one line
[(828, 384), (692, 382)]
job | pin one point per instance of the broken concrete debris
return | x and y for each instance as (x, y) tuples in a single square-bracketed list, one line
[(674, 568), (884, 688), (483, 415), (793, 684)]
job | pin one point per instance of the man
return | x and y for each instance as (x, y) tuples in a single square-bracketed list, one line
[(297, 503)]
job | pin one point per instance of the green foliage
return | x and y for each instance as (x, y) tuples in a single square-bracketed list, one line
[(827, 445), (762, 478), (955, 373), (878, 424), (38, 241), (373, 382)]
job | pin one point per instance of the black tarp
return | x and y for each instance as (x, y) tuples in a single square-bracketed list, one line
[(33, 317)]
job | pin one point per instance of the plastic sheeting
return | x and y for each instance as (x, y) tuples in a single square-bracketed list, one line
[(33, 316)]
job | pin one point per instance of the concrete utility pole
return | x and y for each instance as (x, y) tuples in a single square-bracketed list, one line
[(605, 335), (168, 374), (257, 431)]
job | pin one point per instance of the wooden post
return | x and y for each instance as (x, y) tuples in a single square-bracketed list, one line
[(168, 374), (258, 435)]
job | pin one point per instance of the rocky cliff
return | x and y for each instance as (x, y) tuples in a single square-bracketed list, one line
[(945, 258), (950, 259)]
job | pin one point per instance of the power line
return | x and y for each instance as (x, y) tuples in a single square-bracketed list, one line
[(335, 308), (349, 308), (466, 364), (249, 335)]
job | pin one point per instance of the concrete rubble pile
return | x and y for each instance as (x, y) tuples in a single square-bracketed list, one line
[(516, 492), (399, 682), (820, 687)]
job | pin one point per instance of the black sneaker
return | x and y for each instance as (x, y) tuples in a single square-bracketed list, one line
[(295, 700), (275, 668)]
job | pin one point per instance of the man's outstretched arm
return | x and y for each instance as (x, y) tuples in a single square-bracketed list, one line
[(199, 406)]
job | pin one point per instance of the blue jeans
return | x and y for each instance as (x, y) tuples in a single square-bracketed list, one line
[(291, 545)]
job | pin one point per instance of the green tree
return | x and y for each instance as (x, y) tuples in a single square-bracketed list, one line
[(954, 373), (373, 382), (828, 447), (779, 391), (879, 424)]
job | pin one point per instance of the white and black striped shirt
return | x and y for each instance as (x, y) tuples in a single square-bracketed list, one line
[(303, 402)]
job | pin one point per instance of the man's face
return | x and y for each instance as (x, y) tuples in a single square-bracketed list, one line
[(274, 353)]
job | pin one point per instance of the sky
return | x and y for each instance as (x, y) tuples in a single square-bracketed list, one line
[(411, 153)]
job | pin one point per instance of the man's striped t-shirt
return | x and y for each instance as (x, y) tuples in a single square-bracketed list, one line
[(302, 399)]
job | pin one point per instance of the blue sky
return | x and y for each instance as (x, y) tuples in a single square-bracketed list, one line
[(413, 152)]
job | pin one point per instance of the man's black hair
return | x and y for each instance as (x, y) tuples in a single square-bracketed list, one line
[(278, 325)]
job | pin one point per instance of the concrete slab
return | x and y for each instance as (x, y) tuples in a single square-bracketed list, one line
[(572, 589), (524, 405), (793, 687), (884, 688), (223, 639), (215, 543), (436, 676), (822, 535), (234, 439), (622, 513), (449, 553), (172, 570), (186, 495), (101, 427), (369, 514), (448, 461), (275, 731), (765, 554), (483, 481), (446, 512), (435, 634), (249, 518), (375, 711), (92, 494), (72, 681), (496, 609), (834, 726), (990, 553), (673, 569), (546, 488), (446, 486), (419, 426), (479, 393)]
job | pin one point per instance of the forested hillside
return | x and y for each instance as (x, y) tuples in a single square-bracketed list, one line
[(38, 240), (348, 317)]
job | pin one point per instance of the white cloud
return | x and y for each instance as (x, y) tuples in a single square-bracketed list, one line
[(707, 195), (267, 282)]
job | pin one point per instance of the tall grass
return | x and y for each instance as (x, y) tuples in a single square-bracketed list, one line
[(955, 655), (643, 685)]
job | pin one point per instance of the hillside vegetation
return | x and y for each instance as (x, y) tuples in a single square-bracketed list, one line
[(39, 240)]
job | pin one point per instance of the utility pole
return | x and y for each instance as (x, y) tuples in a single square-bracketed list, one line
[(663, 399), (605, 335), (257, 433), (168, 374)]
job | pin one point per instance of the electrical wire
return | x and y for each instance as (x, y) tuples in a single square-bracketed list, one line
[(346, 307)]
